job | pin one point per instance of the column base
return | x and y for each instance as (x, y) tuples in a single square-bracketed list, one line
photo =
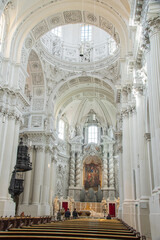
[(7, 207), (128, 213), (45, 210), (154, 203), (144, 221), (34, 210), (120, 211)]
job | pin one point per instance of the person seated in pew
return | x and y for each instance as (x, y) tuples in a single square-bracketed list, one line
[(108, 216), (22, 214), (75, 214), (59, 215), (67, 214)]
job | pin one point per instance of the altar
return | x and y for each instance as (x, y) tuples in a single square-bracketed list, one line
[(89, 206)]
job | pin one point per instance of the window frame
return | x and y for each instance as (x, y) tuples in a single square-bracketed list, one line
[(92, 134), (86, 33)]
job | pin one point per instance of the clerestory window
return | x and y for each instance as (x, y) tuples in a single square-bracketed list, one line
[(57, 31), (86, 33)]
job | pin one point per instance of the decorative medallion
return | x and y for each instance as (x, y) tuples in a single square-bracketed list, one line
[(28, 43), (40, 29), (73, 16), (55, 20), (106, 25), (90, 18)]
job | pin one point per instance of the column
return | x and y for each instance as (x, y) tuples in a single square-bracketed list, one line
[(72, 192), (53, 179), (121, 194), (144, 221), (27, 180), (78, 169), (7, 208), (135, 159), (46, 176), (72, 170), (153, 63), (105, 169), (127, 173), (15, 143), (3, 129), (111, 178), (38, 175), (143, 159), (128, 207), (1, 137), (152, 36), (45, 209)]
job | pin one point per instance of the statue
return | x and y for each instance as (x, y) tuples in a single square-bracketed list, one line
[(91, 195), (99, 194), (110, 132), (56, 204), (104, 206), (82, 195)]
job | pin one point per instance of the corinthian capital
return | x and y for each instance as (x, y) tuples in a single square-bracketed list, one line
[(154, 25), (145, 38)]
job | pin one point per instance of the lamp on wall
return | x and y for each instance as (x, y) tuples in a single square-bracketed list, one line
[(23, 164), (81, 52)]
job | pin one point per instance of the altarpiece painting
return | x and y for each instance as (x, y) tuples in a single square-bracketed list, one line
[(92, 173)]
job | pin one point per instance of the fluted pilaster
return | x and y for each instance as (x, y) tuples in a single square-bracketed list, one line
[(127, 172), (27, 181), (153, 63), (46, 176), (38, 175)]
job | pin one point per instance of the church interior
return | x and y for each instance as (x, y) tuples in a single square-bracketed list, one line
[(79, 110)]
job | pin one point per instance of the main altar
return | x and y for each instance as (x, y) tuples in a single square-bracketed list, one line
[(87, 209)]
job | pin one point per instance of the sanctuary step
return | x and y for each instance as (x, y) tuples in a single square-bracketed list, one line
[(73, 229)]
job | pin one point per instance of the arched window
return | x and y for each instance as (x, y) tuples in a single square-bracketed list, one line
[(93, 134), (57, 31), (86, 33), (2, 24), (61, 129)]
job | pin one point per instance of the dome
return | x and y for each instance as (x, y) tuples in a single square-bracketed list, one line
[(79, 43)]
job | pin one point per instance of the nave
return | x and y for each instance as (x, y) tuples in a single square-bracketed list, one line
[(74, 229)]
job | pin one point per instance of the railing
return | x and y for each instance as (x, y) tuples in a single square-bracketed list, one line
[(137, 234)]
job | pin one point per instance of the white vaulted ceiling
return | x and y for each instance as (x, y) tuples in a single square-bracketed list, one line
[(75, 88), (78, 96)]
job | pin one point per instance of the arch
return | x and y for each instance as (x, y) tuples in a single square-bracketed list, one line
[(36, 86), (90, 90), (35, 23)]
